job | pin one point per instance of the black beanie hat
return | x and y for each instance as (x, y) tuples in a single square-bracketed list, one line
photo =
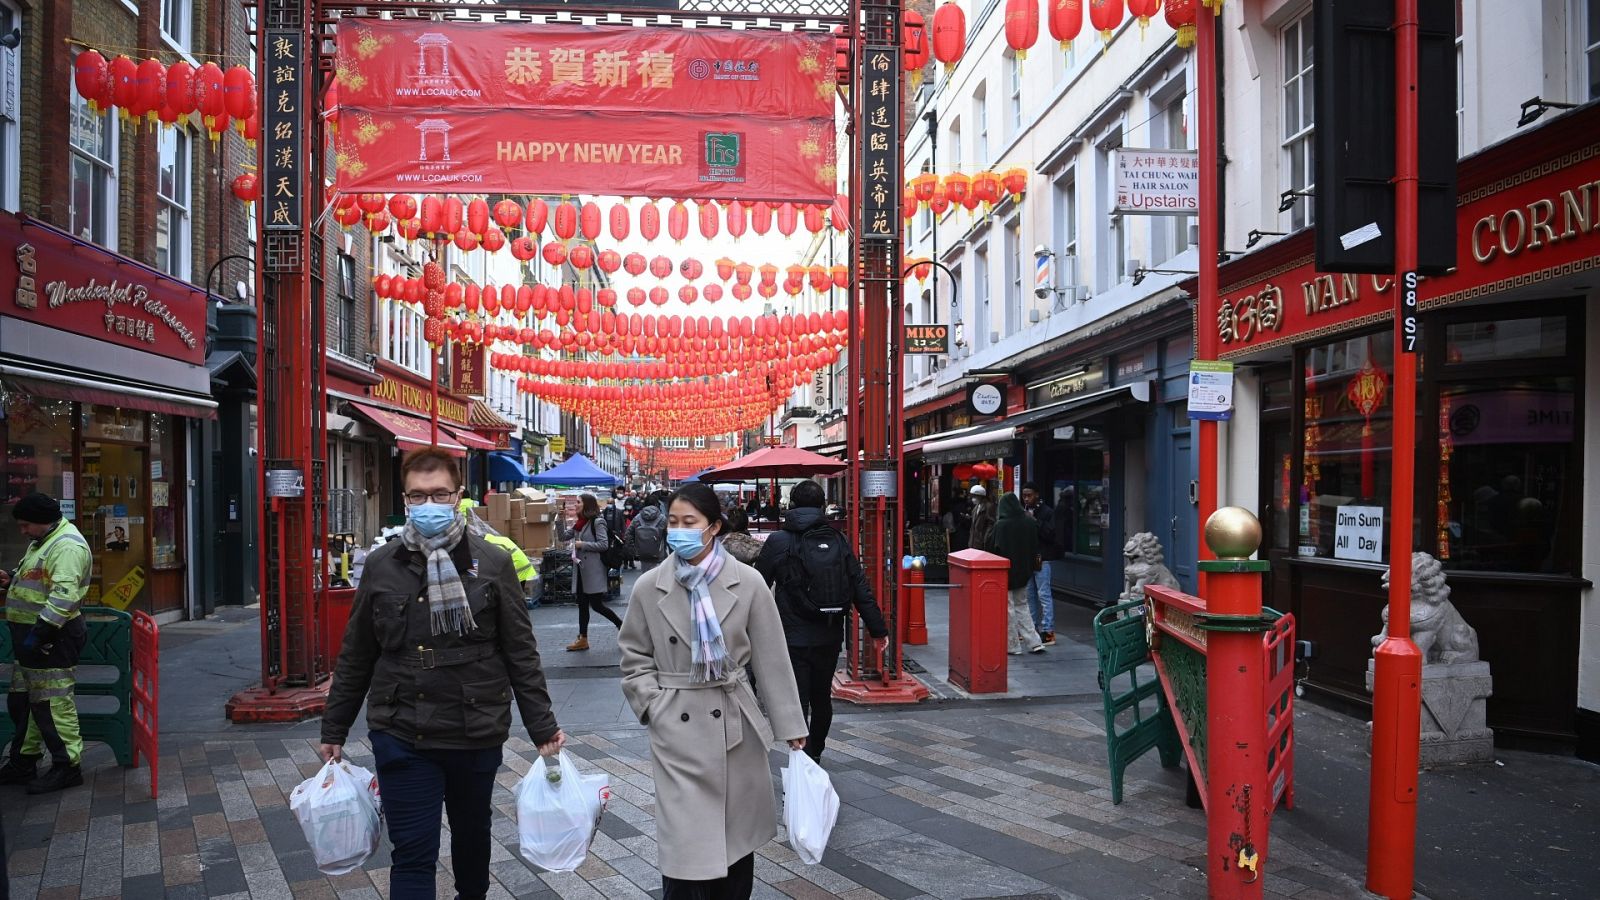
[(38, 509)]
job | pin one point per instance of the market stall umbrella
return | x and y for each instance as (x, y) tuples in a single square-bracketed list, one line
[(575, 472), (695, 478), (775, 462)]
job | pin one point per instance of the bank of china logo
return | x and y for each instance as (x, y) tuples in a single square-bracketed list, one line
[(699, 69)]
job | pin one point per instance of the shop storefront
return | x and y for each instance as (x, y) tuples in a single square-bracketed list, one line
[(1501, 433), (103, 380)]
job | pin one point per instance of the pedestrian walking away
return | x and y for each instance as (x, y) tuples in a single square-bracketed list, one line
[(1016, 537), (437, 644), (590, 539), (1041, 600), (816, 577), (738, 540), (43, 596), (647, 534), (983, 518), (697, 629)]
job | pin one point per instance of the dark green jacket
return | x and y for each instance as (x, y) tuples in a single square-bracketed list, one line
[(1016, 537), (447, 691)]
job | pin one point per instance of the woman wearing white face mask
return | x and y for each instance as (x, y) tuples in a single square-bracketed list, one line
[(697, 627)]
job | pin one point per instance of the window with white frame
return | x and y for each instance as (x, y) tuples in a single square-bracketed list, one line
[(93, 177), (980, 128), (1111, 258), (403, 342), (177, 21), (1299, 113), (953, 154), (1591, 48), (1014, 94), (983, 314), (1169, 130), (172, 193), (1014, 303), (1065, 210), (346, 340), (10, 112)]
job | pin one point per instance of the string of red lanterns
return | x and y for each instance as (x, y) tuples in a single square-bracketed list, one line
[(153, 92)]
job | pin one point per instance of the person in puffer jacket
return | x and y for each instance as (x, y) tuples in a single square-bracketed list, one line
[(738, 541)]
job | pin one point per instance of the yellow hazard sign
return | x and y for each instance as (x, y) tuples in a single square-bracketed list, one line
[(122, 593)]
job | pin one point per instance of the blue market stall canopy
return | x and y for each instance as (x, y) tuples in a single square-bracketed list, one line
[(505, 467), (575, 472)]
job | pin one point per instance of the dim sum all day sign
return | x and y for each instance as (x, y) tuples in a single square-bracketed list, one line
[(1156, 182)]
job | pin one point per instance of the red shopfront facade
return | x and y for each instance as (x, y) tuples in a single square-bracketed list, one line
[(103, 379), (1502, 417)]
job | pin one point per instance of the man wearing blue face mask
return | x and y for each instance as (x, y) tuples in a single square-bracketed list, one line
[(438, 642)]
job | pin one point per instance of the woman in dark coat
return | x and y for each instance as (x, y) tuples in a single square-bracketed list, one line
[(589, 537), (1016, 537)]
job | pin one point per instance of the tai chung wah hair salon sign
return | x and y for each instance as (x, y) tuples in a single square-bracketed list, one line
[(1150, 182)]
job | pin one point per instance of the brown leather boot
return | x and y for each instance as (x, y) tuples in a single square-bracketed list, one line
[(582, 643)]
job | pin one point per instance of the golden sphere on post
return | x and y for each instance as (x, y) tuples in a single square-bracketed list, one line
[(1233, 532)]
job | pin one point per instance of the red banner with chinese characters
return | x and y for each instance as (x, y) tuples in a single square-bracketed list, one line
[(419, 64), (468, 370), (1530, 226), (53, 280), (581, 152)]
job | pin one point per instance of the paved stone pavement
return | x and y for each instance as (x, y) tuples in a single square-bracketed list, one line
[(949, 802)]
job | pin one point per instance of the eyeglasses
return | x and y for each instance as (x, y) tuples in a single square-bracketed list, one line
[(416, 498)]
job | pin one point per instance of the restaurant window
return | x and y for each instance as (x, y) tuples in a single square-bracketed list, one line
[(10, 110), (1507, 479), (1277, 459), (1082, 489), (37, 436), (1345, 449), (93, 175), (1299, 114), (172, 189), (166, 537)]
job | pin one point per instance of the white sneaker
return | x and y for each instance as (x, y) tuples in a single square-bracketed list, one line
[(1038, 649)]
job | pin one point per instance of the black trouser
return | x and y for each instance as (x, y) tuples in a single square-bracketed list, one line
[(736, 885), (586, 600), (813, 675), (413, 782)]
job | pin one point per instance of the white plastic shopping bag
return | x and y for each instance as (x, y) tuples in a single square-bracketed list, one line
[(339, 810), (810, 807), (558, 812)]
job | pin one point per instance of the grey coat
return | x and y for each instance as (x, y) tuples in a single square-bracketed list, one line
[(592, 539), (709, 742)]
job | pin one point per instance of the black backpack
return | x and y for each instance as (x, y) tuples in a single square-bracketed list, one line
[(616, 552), (811, 576)]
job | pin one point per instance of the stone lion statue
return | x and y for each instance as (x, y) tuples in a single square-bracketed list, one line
[(1141, 565), (1436, 627)]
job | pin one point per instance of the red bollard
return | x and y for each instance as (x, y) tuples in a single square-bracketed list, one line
[(1239, 797), (914, 624), (978, 609)]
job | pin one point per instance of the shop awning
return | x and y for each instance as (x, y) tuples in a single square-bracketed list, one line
[(467, 439), (410, 432), (483, 418), (109, 392), (505, 467), (1082, 407)]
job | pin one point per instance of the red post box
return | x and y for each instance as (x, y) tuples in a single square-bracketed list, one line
[(335, 615), (978, 610)]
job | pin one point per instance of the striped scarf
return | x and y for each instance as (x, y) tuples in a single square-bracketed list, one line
[(447, 596), (707, 654)]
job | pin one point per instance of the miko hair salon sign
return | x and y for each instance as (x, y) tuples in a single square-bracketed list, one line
[(1156, 182)]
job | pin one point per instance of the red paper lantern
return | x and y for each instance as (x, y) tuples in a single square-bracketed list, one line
[(507, 214), (433, 277), (949, 34), (914, 40), (688, 293), (581, 256), (1015, 181), (708, 222), (691, 269), (589, 220), (125, 84), (348, 217), (678, 221), (432, 215), (91, 74), (986, 189), (371, 204), (180, 91), (150, 85), (737, 219), (453, 215), (410, 229), (761, 217), (402, 207), (619, 222), (743, 271), (1105, 16), (1143, 10), (378, 224), (635, 264), (649, 221), (660, 266), (659, 296), (636, 296), (956, 187), (1181, 16), (466, 241), (1022, 26), (566, 221), (609, 261), (208, 90), (740, 292), (247, 187), (494, 240), (923, 186), (478, 216), (841, 276), (788, 219), (712, 292), (538, 214), (554, 253), (239, 92), (813, 217)]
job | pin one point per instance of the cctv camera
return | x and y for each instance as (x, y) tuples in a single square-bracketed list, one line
[(1043, 293)]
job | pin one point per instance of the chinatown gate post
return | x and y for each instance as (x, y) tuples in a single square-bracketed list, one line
[(296, 61)]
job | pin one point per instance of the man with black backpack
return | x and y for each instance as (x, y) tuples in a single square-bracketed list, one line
[(647, 533), (815, 578)]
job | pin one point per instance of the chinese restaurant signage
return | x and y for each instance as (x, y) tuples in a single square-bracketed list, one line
[(558, 108), (880, 144), (1156, 182), (927, 338), (283, 150), (1065, 387), (1532, 226), (467, 370), (53, 280), (418, 398)]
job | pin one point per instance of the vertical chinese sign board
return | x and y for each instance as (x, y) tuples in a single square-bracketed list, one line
[(880, 150), (468, 370), (283, 161)]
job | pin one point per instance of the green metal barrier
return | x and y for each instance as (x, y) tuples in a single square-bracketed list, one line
[(110, 645), (1127, 684)]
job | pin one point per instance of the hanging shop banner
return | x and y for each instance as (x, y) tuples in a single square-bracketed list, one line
[(927, 338), (880, 144), (573, 151), (51, 279), (468, 370), (421, 65), (1156, 182), (283, 150)]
